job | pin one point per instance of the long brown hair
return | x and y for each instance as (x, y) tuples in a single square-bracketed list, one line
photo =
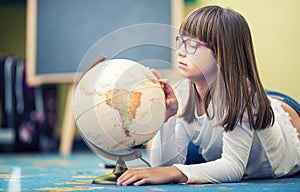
[(241, 91)]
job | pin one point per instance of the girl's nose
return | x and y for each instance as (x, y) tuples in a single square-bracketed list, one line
[(181, 52)]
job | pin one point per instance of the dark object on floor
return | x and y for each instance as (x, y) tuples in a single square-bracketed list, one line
[(27, 114)]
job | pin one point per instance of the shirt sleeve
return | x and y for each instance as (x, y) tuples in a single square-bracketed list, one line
[(232, 164), (170, 144)]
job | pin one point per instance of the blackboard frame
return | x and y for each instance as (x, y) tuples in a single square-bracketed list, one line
[(35, 79)]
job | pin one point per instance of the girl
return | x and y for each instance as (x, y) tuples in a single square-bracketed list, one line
[(222, 108)]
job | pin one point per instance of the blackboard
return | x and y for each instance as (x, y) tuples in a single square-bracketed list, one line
[(65, 36)]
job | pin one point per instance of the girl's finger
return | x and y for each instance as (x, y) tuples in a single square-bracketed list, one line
[(156, 73)]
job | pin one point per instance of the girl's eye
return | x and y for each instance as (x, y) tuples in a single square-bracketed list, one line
[(191, 43)]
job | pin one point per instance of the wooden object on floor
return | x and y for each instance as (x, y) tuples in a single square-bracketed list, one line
[(68, 126)]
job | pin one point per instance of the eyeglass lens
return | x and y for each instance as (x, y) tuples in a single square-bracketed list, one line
[(190, 46)]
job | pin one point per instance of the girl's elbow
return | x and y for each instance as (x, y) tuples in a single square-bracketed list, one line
[(236, 172)]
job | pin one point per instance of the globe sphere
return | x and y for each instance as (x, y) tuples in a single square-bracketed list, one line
[(118, 105)]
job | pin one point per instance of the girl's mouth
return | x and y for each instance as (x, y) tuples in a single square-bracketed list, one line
[(181, 64)]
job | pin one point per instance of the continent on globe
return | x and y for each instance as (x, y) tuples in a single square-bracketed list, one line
[(126, 103), (118, 104)]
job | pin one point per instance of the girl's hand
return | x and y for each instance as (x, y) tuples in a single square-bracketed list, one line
[(151, 175), (171, 100)]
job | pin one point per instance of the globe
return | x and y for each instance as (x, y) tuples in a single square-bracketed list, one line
[(118, 106)]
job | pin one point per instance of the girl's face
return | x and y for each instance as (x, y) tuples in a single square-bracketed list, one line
[(199, 66)]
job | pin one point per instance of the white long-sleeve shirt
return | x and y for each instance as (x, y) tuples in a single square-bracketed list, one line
[(242, 153)]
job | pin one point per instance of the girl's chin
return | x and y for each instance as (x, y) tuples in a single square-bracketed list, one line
[(184, 73), (192, 76)]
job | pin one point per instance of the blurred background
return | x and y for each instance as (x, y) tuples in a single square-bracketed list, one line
[(275, 27)]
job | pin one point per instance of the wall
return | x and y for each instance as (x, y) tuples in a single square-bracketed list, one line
[(12, 28), (275, 26)]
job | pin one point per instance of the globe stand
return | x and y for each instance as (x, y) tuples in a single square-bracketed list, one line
[(112, 178), (120, 167)]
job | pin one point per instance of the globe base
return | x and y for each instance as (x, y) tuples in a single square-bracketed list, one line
[(111, 179)]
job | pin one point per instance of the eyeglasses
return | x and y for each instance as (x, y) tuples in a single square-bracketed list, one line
[(190, 45)]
